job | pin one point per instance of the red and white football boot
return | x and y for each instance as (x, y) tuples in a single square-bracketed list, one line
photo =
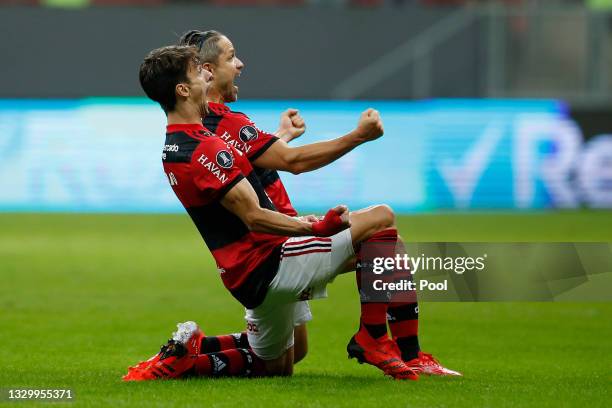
[(175, 357), (381, 353), (426, 364)]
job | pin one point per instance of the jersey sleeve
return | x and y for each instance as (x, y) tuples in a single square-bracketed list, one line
[(254, 140), (214, 167)]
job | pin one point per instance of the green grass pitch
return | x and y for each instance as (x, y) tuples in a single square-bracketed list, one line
[(84, 296)]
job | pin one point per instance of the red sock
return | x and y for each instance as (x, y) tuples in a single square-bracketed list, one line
[(403, 315), (373, 319), (404, 325), (374, 314), (211, 344), (229, 363)]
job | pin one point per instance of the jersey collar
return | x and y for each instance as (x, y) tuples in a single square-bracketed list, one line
[(184, 127), (218, 107)]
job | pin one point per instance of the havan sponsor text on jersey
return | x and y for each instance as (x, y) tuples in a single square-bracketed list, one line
[(215, 168), (238, 145), (239, 132)]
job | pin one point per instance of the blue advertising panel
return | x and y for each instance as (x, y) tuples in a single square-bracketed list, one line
[(104, 155)]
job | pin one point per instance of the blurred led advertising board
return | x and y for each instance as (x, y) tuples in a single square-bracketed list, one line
[(104, 155)]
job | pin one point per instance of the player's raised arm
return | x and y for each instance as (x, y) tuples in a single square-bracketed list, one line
[(242, 201), (280, 156)]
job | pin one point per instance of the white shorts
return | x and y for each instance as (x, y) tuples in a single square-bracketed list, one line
[(307, 265)]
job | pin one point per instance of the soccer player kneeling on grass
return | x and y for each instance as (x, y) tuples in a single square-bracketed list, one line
[(267, 260), (269, 153)]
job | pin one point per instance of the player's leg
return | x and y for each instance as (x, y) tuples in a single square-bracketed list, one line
[(236, 362), (270, 331), (372, 225), (181, 358), (371, 344), (309, 264), (403, 316), (276, 327), (213, 344), (376, 224), (224, 342), (289, 361), (273, 328), (301, 315), (368, 221), (365, 223), (300, 346), (280, 366)]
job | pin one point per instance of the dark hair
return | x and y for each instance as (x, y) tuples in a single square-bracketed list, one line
[(206, 43), (163, 69)]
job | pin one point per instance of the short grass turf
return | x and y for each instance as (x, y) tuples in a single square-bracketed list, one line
[(84, 296)]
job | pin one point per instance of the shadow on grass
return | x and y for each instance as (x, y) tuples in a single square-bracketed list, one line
[(330, 381)]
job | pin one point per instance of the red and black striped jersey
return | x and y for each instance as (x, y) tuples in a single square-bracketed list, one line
[(239, 131), (201, 169)]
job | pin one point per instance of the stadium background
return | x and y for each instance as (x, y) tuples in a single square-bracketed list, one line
[(498, 127)]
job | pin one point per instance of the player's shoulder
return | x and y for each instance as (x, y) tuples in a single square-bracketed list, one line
[(182, 140), (222, 120), (217, 149), (240, 115), (218, 109), (210, 144), (223, 112), (188, 132)]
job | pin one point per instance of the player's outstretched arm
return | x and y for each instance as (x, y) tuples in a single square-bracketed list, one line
[(242, 200), (315, 155)]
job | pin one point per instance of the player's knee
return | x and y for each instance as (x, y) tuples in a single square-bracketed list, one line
[(300, 344), (385, 216), (280, 372), (280, 366)]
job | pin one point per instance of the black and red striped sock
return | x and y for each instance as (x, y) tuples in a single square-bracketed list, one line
[(404, 324), (403, 314), (374, 314), (229, 363), (212, 344)]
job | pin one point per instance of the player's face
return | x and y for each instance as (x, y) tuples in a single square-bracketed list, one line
[(226, 70), (200, 81)]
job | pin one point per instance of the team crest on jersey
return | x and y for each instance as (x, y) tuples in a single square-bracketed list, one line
[(225, 159), (248, 133)]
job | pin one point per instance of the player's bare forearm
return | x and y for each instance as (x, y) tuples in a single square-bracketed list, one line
[(308, 157), (315, 155), (242, 201), (272, 222)]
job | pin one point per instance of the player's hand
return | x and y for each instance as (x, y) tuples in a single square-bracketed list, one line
[(370, 126), (336, 220), (291, 126)]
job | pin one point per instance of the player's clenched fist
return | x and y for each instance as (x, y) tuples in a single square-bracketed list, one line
[(370, 126), (336, 220), (291, 126)]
